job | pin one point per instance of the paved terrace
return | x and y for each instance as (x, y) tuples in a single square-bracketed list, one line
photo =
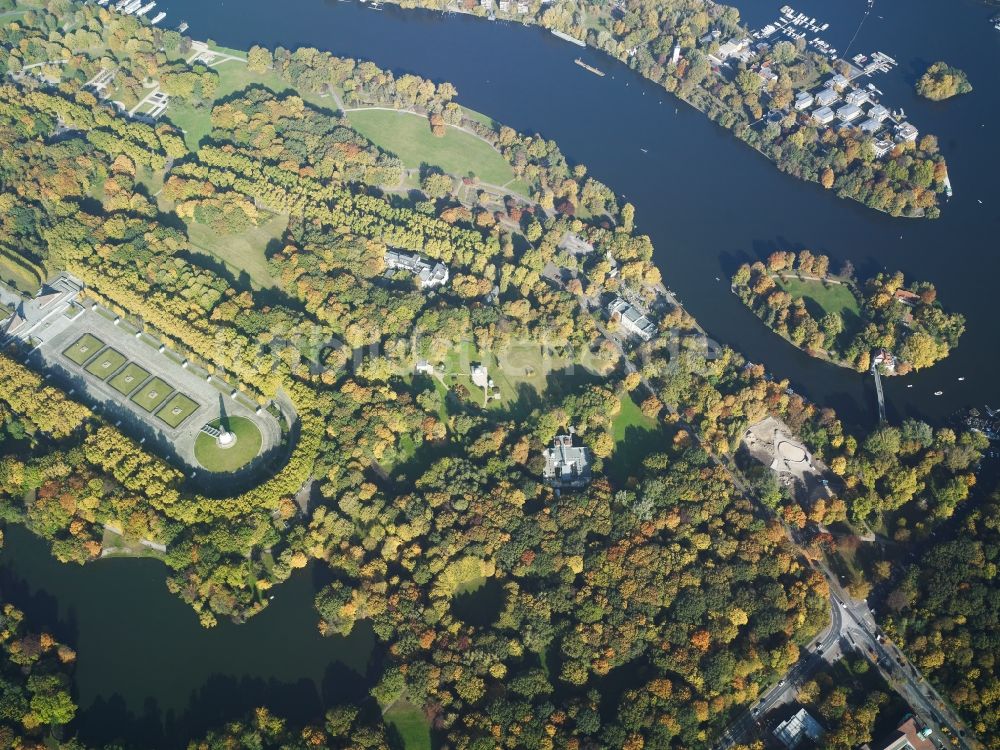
[(55, 320)]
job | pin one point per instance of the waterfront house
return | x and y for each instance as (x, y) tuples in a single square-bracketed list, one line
[(878, 112), (566, 465), (826, 97), (870, 126), (424, 367), (823, 116), (803, 101), (906, 132), (849, 113), (632, 320), (838, 82), (858, 96), (428, 275), (881, 147)]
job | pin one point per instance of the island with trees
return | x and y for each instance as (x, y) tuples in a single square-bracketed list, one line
[(942, 81), (278, 235), (885, 321)]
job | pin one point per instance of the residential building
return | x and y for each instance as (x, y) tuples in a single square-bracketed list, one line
[(632, 320), (823, 115), (574, 244), (738, 48), (826, 97), (906, 132), (796, 728), (870, 126), (849, 112), (428, 275), (858, 96), (767, 76), (566, 465), (878, 112), (424, 367), (838, 82), (881, 147), (909, 735), (803, 101)]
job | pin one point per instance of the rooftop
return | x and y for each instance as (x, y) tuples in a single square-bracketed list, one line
[(566, 465)]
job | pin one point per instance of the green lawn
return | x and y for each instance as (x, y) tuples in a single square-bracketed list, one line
[(18, 275), (244, 251), (177, 409), (152, 394), (220, 460), (630, 416), (233, 76), (129, 379), (83, 349), (828, 297), (411, 724), (106, 363), (409, 137)]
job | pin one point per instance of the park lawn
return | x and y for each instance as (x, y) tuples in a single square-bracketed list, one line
[(129, 379), (152, 394), (411, 724), (18, 275), (106, 363), (221, 460), (83, 349), (177, 409), (196, 122), (409, 137), (244, 251), (830, 297), (630, 416)]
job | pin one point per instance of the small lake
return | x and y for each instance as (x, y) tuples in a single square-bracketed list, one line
[(148, 670)]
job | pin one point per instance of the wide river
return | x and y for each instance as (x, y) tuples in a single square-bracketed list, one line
[(148, 671)]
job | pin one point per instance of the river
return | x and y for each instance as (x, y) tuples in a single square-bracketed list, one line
[(707, 201)]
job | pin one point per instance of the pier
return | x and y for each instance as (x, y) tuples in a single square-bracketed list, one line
[(880, 393)]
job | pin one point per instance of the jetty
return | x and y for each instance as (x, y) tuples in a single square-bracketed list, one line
[(568, 38), (879, 392), (589, 68)]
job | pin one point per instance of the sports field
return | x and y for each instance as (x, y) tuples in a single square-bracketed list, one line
[(83, 349), (106, 363), (177, 409), (152, 394), (129, 379)]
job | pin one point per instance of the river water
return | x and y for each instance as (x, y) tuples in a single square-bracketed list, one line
[(146, 668)]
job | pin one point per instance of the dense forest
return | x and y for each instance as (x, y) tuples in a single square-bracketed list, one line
[(947, 612), (882, 314), (422, 493), (644, 34)]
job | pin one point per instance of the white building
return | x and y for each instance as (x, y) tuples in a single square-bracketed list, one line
[(632, 321), (849, 112), (826, 97), (837, 81), (881, 147), (803, 101), (427, 275), (906, 132), (870, 126), (823, 115), (858, 96), (878, 112), (800, 725), (566, 465)]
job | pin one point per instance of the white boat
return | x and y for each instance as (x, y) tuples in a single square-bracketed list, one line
[(938, 393), (158, 17), (961, 379)]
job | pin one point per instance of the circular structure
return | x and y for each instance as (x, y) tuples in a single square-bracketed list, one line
[(242, 448), (791, 452)]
